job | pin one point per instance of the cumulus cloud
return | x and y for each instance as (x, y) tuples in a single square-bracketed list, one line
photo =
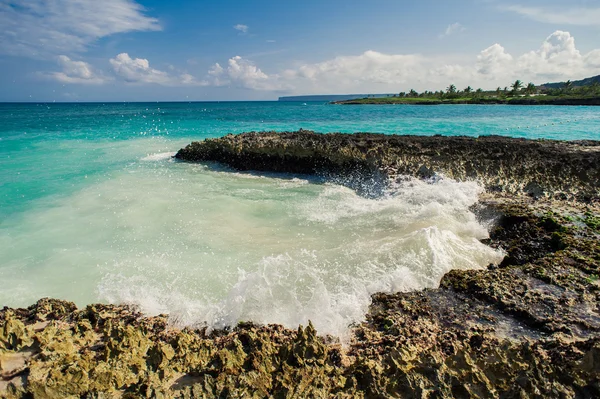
[(360, 72), (493, 60), (556, 59), (370, 66), (76, 72), (556, 56), (138, 70), (46, 28), (452, 29), (241, 28), (242, 73), (564, 16)]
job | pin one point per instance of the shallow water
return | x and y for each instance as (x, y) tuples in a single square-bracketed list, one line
[(93, 208)]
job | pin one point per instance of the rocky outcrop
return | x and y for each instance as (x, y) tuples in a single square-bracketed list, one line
[(528, 327), (539, 168)]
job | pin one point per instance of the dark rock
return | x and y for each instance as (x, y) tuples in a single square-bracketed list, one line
[(539, 168)]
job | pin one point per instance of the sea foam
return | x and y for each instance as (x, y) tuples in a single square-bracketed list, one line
[(211, 247), (161, 156)]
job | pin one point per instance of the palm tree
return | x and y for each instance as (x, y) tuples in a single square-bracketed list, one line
[(530, 89), (468, 90), (413, 93), (568, 86), (517, 86), (451, 89)]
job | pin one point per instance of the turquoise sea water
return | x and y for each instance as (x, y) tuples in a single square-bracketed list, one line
[(92, 208)]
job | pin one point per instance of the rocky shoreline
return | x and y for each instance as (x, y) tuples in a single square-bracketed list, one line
[(542, 168), (528, 327)]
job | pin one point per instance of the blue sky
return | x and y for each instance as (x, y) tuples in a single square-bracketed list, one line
[(150, 50)]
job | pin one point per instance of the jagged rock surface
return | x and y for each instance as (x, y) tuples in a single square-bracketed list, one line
[(537, 167), (526, 328)]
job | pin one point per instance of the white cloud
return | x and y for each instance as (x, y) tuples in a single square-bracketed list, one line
[(188, 80), (138, 70), (76, 72), (452, 29), (493, 60), (592, 60), (357, 73), (46, 28), (242, 73), (568, 16), (556, 59), (242, 28)]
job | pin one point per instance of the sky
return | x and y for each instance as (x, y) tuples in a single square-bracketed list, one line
[(196, 50)]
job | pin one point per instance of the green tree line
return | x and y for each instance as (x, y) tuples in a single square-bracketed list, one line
[(517, 88)]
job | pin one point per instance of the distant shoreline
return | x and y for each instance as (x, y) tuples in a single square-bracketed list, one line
[(591, 101)]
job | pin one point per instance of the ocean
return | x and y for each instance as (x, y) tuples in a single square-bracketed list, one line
[(94, 209)]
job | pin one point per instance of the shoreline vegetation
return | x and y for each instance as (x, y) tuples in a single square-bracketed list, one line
[(526, 327), (516, 94)]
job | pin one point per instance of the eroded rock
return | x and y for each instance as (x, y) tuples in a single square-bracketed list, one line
[(526, 328), (540, 168)]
